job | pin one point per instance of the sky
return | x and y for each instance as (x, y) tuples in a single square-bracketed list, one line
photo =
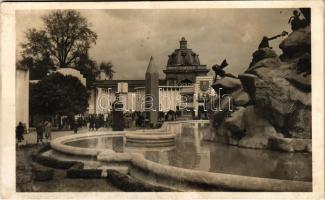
[(128, 38)]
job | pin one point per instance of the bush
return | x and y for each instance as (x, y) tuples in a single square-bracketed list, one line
[(71, 96)]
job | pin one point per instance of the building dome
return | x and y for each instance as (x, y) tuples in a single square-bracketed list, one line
[(183, 65), (183, 56)]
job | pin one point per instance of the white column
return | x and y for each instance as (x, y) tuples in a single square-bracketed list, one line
[(98, 93), (160, 99), (172, 99), (166, 99), (195, 98)]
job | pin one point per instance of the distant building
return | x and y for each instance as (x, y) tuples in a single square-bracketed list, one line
[(184, 66), (185, 83)]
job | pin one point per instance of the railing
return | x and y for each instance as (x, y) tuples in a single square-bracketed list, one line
[(183, 68)]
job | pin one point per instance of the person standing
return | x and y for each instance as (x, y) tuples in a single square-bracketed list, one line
[(19, 132), (97, 123), (48, 127), (40, 132), (91, 124), (75, 126)]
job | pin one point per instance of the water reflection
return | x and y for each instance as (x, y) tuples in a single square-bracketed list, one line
[(192, 152), (115, 143)]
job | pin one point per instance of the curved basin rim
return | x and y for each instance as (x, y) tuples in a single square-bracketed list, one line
[(136, 159)]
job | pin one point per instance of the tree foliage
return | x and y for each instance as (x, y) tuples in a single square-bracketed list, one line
[(65, 38), (87, 67), (108, 69), (57, 94), (38, 67)]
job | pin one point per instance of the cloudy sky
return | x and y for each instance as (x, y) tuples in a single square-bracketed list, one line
[(128, 38)]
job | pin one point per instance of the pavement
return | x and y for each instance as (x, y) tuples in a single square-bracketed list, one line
[(31, 137)]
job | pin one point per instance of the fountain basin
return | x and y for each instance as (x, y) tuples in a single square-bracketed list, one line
[(149, 140), (193, 180), (152, 167)]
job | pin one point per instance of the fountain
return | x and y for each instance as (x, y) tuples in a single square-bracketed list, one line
[(176, 157), (187, 164)]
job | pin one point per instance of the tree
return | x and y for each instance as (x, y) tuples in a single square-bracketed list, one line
[(57, 94), (38, 67), (108, 69), (87, 67), (66, 37)]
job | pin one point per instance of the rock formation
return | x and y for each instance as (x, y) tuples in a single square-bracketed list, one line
[(271, 99)]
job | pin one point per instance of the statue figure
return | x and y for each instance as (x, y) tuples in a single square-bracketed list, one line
[(306, 13), (118, 122), (296, 22), (219, 70), (265, 41), (264, 49)]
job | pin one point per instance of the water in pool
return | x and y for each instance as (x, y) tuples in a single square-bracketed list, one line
[(192, 152)]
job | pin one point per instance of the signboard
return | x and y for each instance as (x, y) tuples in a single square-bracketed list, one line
[(204, 86)]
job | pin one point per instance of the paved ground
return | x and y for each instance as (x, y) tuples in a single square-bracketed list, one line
[(24, 176), (59, 183), (30, 138)]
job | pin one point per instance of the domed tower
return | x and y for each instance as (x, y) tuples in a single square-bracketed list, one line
[(183, 66)]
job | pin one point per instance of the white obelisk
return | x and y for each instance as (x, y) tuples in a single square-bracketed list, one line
[(152, 92)]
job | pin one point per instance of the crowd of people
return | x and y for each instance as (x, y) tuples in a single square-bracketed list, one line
[(92, 122), (43, 131), (43, 128), (95, 122)]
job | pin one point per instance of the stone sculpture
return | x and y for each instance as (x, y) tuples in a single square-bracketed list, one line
[(118, 123)]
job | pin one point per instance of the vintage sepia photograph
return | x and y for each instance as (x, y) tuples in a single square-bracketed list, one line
[(131, 100), (164, 100)]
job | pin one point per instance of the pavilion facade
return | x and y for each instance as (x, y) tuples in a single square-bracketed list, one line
[(186, 81)]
